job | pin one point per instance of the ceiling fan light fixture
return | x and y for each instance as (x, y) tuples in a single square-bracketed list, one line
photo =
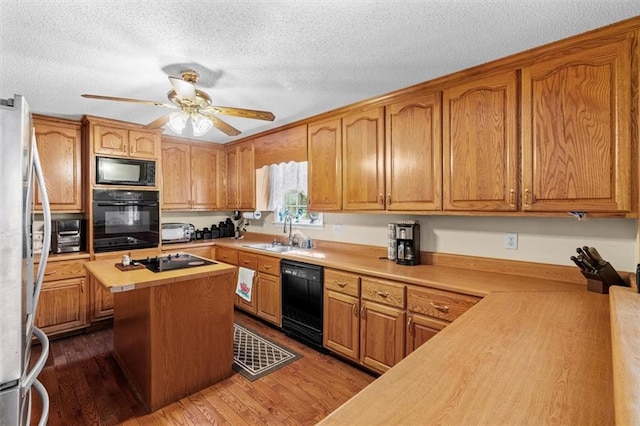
[(201, 124), (178, 121)]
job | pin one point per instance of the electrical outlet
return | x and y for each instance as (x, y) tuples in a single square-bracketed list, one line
[(337, 229), (511, 241)]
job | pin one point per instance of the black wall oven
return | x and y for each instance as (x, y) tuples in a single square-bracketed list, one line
[(125, 220), (302, 286)]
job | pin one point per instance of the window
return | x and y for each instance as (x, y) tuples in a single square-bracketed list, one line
[(295, 206)]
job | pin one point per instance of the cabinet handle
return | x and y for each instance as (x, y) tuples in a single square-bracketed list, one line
[(124, 148), (409, 328), (267, 267), (341, 284), (384, 294), (388, 199), (246, 262), (380, 198), (362, 311), (443, 308), (512, 198), (528, 198), (50, 272), (355, 310), (82, 286)]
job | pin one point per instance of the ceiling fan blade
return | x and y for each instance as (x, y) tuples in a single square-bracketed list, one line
[(159, 122), (184, 89), (135, 101), (221, 125), (241, 112)]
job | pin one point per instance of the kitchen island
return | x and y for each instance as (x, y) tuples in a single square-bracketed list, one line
[(173, 330)]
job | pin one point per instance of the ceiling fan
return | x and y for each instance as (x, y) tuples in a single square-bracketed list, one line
[(193, 104)]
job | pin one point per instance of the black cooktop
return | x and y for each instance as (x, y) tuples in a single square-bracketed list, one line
[(172, 262)]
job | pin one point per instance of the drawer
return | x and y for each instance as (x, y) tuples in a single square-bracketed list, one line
[(269, 265), (247, 260), (441, 304), (386, 292), (342, 282), (227, 255), (63, 270)]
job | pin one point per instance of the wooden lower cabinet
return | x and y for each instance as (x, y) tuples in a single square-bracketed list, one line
[(63, 300), (381, 336), (421, 328), (341, 332), (269, 300)]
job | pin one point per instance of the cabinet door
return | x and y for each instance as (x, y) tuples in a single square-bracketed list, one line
[(176, 176), (110, 141), (249, 261), (205, 177), (246, 177), (101, 301), (382, 336), (231, 187), (363, 160), (60, 148), (414, 154), (325, 166), (420, 329), (576, 131), (341, 324), (269, 298), (480, 144), (62, 306), (143, 144)]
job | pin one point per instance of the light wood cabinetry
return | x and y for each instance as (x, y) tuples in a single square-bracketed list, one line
[(191, 176), (227, 255), (240, 175), (364, 319), (414, 153), (576, 141), (421, 328), (266, 297), (363, 160), (325, 165), (63, 300), (60, 148), (117, 141), (480, 160)]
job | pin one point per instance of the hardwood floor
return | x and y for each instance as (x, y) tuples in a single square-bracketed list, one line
[(86, 386)]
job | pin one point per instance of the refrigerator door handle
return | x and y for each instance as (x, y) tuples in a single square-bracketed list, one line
[(39, 365), (46, 210), (45, 402)]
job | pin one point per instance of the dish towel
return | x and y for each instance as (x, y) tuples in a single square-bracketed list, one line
[(245, 283)]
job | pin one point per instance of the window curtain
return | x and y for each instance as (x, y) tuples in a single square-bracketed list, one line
[(278, 179)]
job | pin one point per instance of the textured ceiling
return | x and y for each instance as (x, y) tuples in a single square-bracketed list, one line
[(294, 58)]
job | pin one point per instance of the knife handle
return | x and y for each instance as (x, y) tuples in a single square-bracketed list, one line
[(593, 253)]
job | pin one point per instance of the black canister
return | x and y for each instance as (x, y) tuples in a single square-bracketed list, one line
[(229, 228), (199, 234), (215, 231), (206, 233)]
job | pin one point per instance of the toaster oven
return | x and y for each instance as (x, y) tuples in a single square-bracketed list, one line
[(178, 232)]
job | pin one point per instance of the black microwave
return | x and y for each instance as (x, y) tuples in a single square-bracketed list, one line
[(125, 171)]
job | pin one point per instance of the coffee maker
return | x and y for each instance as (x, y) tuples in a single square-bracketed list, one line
[(408, 242)]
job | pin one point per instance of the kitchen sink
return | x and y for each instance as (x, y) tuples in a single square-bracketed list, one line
[(277, 248)]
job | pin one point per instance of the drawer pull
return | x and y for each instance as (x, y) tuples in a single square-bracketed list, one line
[(246, 262), (384, 294), (341, 284), (51, 272), (443, 308), (267, 267)]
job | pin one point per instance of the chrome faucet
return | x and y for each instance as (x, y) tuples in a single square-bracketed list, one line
[(284, 229)]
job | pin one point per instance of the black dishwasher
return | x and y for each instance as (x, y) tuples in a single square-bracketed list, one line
[(302, 286)]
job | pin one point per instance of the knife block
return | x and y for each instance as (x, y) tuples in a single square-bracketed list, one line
[(605, 277)]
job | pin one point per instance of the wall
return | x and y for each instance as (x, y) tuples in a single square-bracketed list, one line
[(545, 240)]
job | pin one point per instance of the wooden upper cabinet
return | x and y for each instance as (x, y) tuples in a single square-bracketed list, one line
[(480, 144), (191, 175), (123, 142), (363, 160), (325, 165), (240, 176), (60, 148), (576, 131), (414, 153), (176, 171)]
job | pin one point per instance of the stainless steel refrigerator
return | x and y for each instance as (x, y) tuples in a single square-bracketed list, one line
[(20, 284)]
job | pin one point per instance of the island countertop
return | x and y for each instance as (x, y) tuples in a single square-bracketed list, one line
[(115, 280)]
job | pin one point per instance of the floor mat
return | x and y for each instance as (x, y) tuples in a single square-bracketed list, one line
[(255, 356)]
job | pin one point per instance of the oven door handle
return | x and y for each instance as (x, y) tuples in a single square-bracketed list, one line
[(134, 203)]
